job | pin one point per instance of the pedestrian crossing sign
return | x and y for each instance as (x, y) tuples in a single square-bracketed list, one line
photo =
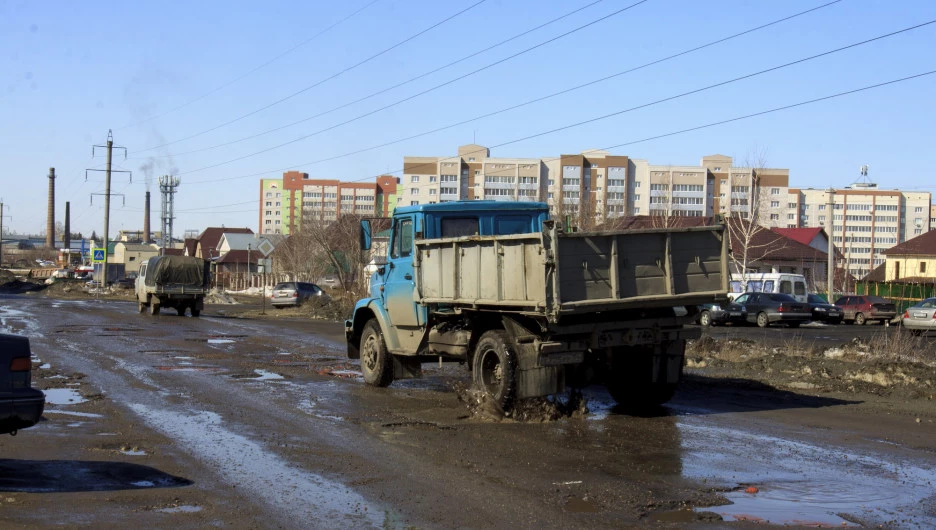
[(97, 255)]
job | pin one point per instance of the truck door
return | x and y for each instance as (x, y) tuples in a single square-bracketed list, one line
[(399, 282)]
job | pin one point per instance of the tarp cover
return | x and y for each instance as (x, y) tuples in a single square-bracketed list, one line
[(176, 270)]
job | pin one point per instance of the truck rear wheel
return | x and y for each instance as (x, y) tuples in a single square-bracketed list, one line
[(142, 307), (154, 308), (376, 363), (494, 368), (632, 373)]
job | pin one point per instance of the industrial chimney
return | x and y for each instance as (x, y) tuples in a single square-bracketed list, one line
[(66, 237), (146, 220), (50, 218)]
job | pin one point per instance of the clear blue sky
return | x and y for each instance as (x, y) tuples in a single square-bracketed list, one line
[(72, 70)]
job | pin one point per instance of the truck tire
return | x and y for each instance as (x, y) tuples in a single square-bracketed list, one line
[(376, 363), (181, 310), (631, 383), (154, 308), (494, 368), (195, 312), (142, 307)]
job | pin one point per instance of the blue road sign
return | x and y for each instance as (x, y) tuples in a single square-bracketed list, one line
[(97, 255)]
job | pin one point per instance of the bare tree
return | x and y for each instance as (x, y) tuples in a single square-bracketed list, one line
[(750, 241)]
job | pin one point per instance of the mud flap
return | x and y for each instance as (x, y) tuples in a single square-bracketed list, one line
[(406, 367), (667, 364), (543, 381)]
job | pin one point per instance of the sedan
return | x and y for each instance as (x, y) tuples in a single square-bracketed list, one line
[(20, 405), (864, 308), (768, 308), (715, 314), (920, 317), (295, 294), (823, 311)]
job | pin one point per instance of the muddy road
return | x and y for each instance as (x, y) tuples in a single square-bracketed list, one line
[(235, 422)]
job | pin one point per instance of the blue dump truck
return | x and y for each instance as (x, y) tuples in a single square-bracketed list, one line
[(531, 308)]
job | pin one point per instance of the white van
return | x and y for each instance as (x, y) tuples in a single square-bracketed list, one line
[(769, 282)]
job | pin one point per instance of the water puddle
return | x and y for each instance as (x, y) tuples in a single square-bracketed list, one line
[(219, 341), (181, 509), (261, 375), (790, 482), (63, 396), (45, 366), (71, 412), (298, 494), (133, 451)]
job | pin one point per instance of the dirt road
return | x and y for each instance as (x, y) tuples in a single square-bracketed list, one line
[(263, 423)]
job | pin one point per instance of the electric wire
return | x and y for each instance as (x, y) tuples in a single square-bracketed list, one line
[(251, 71), (390, 88), (323, 81)]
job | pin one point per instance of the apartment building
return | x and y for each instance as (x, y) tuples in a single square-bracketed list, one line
[(286, 203), (472, 174), (865, 221)]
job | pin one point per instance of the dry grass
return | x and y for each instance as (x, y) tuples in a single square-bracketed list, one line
[(902, 346)]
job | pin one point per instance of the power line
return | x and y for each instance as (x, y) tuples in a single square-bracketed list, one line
[(393, 87), (418, 94), (605, 116), (252, 70), (329, 78)]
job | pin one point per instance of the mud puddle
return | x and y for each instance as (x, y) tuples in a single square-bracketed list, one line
[(781, 481)]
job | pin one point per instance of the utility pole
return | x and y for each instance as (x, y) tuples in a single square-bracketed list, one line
[(107, 194), (831, 264), (1, 230)]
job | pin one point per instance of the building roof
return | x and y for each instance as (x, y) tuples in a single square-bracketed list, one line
[(210, 237), (802, 235), (190, 246), (877, 274), (922, 245), (173, 252), (240, 256), (239, 241)]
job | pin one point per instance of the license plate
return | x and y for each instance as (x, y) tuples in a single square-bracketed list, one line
[(734, 314), (919, 315)]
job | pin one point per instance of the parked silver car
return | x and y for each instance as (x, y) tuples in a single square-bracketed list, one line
[(295, 294), (920, 317)]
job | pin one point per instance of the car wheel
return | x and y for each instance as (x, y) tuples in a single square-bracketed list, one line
[(762, 320), (376, 363), (860, 319), (705, 319), (494, 368)]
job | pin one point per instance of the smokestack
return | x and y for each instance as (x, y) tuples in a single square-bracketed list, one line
[(50, 219), (66, 237), (146, 220)]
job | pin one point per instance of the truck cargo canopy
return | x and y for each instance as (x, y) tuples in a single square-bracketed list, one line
[(178, 270)]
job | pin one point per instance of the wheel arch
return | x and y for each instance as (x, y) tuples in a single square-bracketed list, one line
[(362, 314)]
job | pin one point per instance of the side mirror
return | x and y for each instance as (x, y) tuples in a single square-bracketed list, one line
[(365, 234)]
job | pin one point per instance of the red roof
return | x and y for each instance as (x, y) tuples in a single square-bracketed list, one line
[(801, 235)]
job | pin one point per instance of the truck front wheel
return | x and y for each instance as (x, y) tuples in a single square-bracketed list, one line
[(494, 368), (376, 363), (154, 308)]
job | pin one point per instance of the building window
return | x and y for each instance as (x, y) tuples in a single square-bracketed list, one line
[(775, 191), (432, 192), (774, 204), (414, 191), (774, 217), (413, 203), (414, 178), (432, 178), (922, 266)]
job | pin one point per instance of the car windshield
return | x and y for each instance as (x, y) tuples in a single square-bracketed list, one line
[(283, 286), (816, 299), (929, 303)]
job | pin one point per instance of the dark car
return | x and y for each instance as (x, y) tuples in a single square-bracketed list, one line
[(21, 405), (767, 308), (717, 314), (823, 311), (295, 294), (864, 308), (126, 283)]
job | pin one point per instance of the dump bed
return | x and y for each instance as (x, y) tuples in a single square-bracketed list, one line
[(554, 273)]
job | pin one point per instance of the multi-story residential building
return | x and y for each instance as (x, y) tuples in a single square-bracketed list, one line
[(470, 175), (288, 202), (864, 221)]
